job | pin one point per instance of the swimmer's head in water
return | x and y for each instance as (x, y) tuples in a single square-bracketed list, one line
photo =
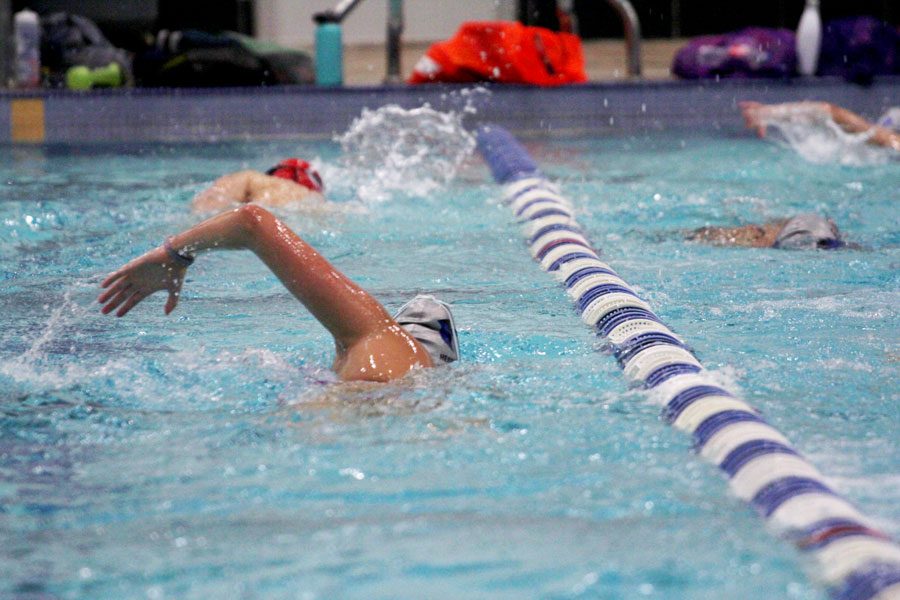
[(808, 231), (298, 171), (430, 321), (891, 119)]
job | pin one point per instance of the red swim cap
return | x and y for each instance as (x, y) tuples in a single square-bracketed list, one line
[(298, 171)]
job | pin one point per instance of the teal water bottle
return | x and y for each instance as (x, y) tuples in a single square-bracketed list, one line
[(329, 54)]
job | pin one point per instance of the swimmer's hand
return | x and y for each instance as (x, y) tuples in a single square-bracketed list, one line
[(143, 276), (754, 113)]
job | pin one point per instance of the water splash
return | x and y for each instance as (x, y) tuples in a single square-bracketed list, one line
[(410, 151), (824, 142), (35, 366)]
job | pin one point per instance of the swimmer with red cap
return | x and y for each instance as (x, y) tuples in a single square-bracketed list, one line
[(289, 182)]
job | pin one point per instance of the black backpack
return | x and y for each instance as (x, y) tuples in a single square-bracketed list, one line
[(69, 40), (193, 58)]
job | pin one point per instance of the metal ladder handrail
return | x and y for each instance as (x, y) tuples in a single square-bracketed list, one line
[(630, 23), (632, 35)]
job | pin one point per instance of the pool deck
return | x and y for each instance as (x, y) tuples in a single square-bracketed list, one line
[(610, 103), (604, 60)]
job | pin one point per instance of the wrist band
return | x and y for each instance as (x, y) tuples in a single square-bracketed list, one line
[(182, 259)]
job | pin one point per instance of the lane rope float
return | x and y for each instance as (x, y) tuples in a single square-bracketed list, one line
[(852, 557)]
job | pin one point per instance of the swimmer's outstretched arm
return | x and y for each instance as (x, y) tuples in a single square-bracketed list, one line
[(369, 343), (757, 115)]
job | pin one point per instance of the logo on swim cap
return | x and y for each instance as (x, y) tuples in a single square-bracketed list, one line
[(430, 321), (298, 171)]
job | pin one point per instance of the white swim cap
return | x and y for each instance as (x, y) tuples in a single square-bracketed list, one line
[(430, 321)]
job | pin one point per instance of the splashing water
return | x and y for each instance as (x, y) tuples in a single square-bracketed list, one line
[(411, 151), (823, 142), (30, 366)]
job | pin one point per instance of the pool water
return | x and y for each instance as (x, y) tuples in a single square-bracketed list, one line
[(210, 454)]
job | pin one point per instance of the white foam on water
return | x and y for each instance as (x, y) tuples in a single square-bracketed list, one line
[(868, 304), (392, 149), (824, 142), (30, 365)]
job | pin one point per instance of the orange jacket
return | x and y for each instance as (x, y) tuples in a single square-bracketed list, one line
[(505, 52)]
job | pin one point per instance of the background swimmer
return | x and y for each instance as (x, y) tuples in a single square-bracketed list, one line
[(370, 345), (291, 180), (758, 116), (806, 231)]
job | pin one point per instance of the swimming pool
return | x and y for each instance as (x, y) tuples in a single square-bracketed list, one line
[(204, 454)]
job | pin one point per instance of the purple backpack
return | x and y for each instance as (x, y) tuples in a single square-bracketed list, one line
[(750, 52), (858, 48)]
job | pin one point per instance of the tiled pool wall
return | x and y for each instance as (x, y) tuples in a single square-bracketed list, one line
[(173, 115)]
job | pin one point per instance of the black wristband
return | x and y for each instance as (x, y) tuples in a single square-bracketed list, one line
[(184, 260)]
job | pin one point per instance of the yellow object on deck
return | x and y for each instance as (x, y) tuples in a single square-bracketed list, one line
[(26, 119)]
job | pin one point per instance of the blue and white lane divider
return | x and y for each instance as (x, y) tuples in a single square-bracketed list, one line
[(852, 557)]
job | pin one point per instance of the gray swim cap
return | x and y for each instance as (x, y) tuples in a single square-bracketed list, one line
[(430, 321), (808, 231), (891, 119)]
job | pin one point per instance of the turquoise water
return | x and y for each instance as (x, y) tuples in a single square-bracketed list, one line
[(207, 454)]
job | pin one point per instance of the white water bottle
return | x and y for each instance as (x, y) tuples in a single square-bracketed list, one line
[(27, 30), (809, 38)]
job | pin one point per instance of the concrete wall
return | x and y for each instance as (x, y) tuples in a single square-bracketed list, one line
[(289, 22)]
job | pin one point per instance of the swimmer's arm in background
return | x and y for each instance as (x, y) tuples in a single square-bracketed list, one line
[(369, 343), (250, 186), (750, 236), (853, 123), (757, 116), (225, 192)]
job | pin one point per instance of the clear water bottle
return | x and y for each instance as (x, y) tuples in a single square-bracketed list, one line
[(27, 28), (809, 38)]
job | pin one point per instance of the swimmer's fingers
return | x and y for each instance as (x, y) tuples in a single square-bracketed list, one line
[(131, 302), (116, 287), (116, 299), (111, 278), (119, 273)]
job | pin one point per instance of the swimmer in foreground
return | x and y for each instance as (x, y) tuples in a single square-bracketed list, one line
[(370, 345), (803, 232), (291, 180), (758, 116)]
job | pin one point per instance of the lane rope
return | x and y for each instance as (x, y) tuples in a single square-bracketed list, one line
[(851, 556)]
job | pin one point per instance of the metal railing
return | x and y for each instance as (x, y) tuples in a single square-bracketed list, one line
[(632, 35), (630, 23)]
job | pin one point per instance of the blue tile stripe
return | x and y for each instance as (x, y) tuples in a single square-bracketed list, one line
[(204, 114), (771, 475)]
